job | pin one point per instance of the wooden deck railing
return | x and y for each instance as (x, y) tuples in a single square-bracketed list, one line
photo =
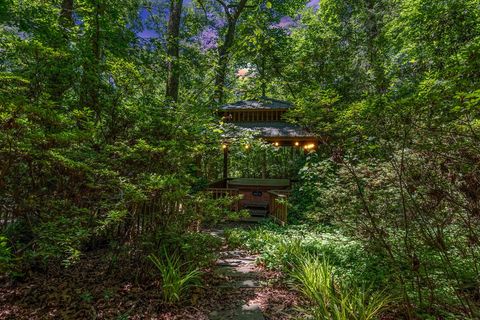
[(218, 193), (6, 217), (278, 207), (140, 217)]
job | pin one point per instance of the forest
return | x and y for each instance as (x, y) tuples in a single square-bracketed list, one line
[(116, 132)]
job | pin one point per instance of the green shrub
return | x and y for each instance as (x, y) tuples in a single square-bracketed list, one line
[(6, 256), (177, 278), (199, 248), (235, 237)]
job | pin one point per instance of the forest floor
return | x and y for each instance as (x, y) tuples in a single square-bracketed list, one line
[(234, 288)]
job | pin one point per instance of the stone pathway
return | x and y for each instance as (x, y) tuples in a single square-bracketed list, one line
[(240, 274)]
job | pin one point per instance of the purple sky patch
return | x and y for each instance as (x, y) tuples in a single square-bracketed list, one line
[(147, 32), (315, 4), (208, 38), (285, 23), (216, 21)]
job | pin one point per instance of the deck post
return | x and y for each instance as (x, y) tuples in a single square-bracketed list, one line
[(264, 164), (225, 163)]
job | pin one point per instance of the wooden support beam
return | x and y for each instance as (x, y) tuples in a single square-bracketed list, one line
[(264, 164), (225, 163)]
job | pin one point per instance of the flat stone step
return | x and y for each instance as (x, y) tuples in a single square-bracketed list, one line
[(245, 273), (235, 261), (233, 253), (245, 312), (242, 284)]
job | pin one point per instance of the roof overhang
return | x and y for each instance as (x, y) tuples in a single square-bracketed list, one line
[(281, 132)]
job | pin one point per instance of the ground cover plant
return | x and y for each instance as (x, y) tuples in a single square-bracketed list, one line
[(330, 270)]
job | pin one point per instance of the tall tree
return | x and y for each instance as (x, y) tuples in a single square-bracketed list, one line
[(67, 13), (173, 33), (232, 13)]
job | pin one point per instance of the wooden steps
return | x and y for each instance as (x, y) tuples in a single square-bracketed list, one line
[(259, 209)]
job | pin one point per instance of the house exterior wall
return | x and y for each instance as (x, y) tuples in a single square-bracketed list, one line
[(256, 194)]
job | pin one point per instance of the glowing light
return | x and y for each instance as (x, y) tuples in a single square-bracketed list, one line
[(277, 144), (247, 146), (297, 144), (224, 146)]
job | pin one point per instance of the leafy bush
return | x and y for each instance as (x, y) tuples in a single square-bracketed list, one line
[(199, 248), (6, 256), (177, 278)]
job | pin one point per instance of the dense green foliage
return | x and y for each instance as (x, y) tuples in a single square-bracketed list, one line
[(94, 155), (86, 139), (401, 172)]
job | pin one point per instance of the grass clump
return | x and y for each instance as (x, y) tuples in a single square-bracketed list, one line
[(177, 277), (330, 298)]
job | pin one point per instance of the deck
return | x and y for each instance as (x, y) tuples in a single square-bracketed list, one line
[(261, 197)]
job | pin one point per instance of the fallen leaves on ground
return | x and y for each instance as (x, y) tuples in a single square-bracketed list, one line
[(94, 289)]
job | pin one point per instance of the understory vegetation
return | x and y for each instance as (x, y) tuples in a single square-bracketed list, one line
[(329, 269), (110, 135)]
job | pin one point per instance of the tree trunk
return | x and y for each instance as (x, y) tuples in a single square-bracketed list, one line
[(91, 76), (224, 50), (94, 92), (223, 57), (58, 76), (66, 13), (374, 37), (173, 33)]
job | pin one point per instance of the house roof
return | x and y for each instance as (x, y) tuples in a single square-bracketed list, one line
[(259, 182), (271, 130), (261, 104)]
